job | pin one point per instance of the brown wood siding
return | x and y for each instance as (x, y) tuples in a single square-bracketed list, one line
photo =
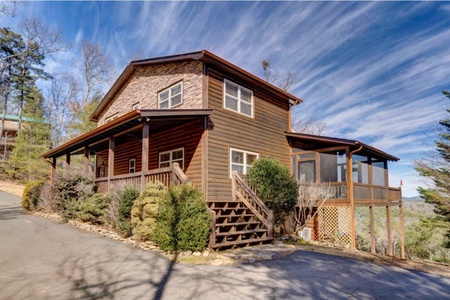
[(188, 136), (123, 152), (263, 134)]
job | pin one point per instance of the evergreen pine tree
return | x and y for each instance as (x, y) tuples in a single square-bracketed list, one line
[(33, 140), (437, 170)]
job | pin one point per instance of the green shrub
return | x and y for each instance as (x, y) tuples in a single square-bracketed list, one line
[(126, 201), (47, 199), (93, 209), (30, 197), (70, 191), (145, 210), (183, 222), (275, 186)]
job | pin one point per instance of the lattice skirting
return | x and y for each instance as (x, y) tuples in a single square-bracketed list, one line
[(334, 225)]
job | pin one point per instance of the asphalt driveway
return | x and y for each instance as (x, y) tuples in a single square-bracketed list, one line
[(42, 259)]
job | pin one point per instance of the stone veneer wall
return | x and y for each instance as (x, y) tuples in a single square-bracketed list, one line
[(147, 81)]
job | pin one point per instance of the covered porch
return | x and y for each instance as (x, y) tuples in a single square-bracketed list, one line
[(139, 147), (356, 177)]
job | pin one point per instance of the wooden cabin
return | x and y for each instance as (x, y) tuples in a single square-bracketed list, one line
[(192, 117), (10, 131)]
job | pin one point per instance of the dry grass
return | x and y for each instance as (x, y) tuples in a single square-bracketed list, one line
[(12, 188)]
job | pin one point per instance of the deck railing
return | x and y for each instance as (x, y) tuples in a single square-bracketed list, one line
[(242, 191), (172, 175), (366, 193)]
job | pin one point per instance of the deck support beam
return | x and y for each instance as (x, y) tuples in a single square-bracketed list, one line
[(372, 230), (145, 151), (350, 195), (389, 231), (110, 160), (402, 231)]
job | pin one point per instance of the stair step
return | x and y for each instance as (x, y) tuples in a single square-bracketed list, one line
[(237, 224), (243, 242), (241, 232)]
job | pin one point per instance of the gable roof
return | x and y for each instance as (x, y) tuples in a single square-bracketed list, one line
[(203, 56), (317, 142)]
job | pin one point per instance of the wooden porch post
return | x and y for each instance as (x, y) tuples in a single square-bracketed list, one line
[(372, 230), (402, 231), (145, 150), (110, 160), (86, 160), (350, 195), (389, 232), (67, 162), (52, 169)]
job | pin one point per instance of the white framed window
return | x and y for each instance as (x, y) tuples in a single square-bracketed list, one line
[(132, 165), (135, 105), (171, 97), (241, 160), (167, 158), (238, 98), (112, 117)]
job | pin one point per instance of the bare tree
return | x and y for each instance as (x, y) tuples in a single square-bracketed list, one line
[(311, 197), (309, 125), (9, 7), (283, 81), (62, 90), (97, 69)]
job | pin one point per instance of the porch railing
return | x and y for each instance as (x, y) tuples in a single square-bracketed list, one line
[(172, 175), (243, 192), (366, 193)]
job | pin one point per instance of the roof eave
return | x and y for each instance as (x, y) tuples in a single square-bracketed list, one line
[(343, 142)]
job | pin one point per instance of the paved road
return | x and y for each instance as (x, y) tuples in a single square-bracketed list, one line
[(41, 259)]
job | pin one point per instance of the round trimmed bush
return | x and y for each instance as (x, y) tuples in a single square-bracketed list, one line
[(183, 222), (145, 210), (31, 193), (275, 186)]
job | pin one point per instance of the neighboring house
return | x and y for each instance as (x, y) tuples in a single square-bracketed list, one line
[(10, 132), (198, 117)]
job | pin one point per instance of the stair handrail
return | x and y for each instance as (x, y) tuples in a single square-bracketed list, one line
[(178, 176), (257, 206)]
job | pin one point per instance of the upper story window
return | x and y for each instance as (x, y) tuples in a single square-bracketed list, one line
[(112, 117), (171, 97), (135, 105), (241, 160), (238, 98), (167, 158)]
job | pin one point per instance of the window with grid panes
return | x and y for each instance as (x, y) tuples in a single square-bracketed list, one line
[(171, 97), (167, 158), (241, 160), (238, 98)]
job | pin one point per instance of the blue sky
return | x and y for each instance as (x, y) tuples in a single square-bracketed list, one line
[(374, 71)]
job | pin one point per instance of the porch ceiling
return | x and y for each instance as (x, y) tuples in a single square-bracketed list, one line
[(158, 120), (315, 142)]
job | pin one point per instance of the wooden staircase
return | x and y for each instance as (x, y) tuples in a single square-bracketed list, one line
[(243, 221)]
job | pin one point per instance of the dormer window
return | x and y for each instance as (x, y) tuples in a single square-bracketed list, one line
[(238, 98), (135, 106), (171, 97), (111, 118)]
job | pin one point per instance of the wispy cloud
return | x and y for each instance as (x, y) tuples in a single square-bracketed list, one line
[(373, 71)]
